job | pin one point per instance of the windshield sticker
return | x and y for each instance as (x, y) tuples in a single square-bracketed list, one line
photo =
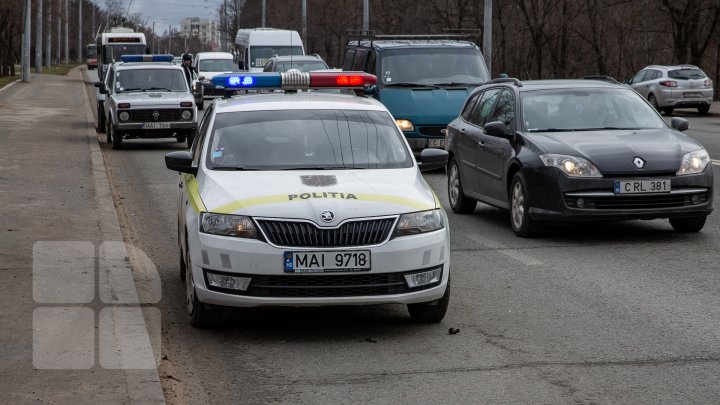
[(218, 153), (387, 76), (319, 181)]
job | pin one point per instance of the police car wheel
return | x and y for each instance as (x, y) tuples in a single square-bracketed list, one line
[(199, 315), (430, 312), (114, 137)]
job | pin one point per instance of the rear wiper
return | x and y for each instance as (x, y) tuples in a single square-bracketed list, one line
[(157, 88), (410, 85), (234, 168)]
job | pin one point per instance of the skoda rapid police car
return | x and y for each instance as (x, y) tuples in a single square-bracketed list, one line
[(147, 97), (303, 198)]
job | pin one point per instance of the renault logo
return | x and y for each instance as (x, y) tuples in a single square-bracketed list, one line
[(156, 115), (639, 163), (327, 216)]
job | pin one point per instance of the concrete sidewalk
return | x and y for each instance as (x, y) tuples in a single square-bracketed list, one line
[(61, 339)]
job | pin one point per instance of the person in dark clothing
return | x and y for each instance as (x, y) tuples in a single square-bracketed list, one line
[(187, 68)]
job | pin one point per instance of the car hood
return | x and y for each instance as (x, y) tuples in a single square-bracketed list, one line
[(613, 152), (425, 106), (306, 194), (155, 99)]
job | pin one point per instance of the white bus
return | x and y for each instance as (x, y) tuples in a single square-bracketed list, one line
[(255, 46), (119, 41)]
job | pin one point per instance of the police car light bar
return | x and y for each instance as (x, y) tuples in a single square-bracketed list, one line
[(147, 58), (295, 80)]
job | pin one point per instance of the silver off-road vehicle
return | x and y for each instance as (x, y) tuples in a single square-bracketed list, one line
[(147, 100)]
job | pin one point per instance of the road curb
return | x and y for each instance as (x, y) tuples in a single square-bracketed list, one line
[(8, 85), (142, 386)]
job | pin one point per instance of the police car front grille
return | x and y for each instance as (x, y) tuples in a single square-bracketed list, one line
[(163, 115), (304, 234)]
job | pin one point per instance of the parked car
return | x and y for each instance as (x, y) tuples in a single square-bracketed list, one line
[(302, 63), (670, 87), (575, 150)]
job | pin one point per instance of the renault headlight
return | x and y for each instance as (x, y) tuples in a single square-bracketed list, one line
[(694, 162), (405, 125), (419, 222), (571, 165), (228, 225)]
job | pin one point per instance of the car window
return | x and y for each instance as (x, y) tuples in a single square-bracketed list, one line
[(306, 139), (638, 77), (359, 60), (686, 74), (470, 105), (433, 66), (348, 61), (149, 79), (587, 109), (301, 66), (370, 68), (505, 108), (216, 65), (268, 66), (484, 107), (202, 131)]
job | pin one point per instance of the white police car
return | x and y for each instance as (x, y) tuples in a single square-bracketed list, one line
[(147, 97), (307, 199)]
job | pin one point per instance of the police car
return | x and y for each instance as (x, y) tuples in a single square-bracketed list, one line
[(146, 96), (299, 198)]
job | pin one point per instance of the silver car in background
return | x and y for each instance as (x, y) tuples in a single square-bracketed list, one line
[(670, 87)]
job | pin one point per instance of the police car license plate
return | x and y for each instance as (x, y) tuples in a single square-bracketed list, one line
[(436, 143), (156, 125), (326, 262), (642, 186)]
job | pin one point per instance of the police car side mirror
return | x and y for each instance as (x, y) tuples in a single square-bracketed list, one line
[(679, 124), (433, 159), (180, 161), (101, 87)]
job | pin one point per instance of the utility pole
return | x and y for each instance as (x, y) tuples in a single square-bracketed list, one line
[(366, 15), (38, 37), (264, 7), (487, 35), (58, 52), (26, 42), (304, 23), (80, 30), (48, 35), (93, 22), (154, 38), (67, 42)]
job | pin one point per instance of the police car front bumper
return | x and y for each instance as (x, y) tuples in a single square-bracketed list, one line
[(270, 285)]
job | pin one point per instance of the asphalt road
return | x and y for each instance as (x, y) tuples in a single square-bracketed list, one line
[(618, 312)]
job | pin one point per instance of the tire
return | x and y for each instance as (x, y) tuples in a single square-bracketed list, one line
[(703, 110), (430, 312), (688, 225), (100, 120), (652, 100), (115, 139), (668, 110), (520, 220), (459, 203), (199, 315)]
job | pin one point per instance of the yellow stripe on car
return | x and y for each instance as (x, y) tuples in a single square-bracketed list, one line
[(237, 205), (194, 193)]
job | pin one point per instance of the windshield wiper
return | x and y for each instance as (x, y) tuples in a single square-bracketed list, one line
[(130, 90), (322, 168), (457, 84), (551, 130), (234, 168), (157, 88), (606, 128), (410, 85)]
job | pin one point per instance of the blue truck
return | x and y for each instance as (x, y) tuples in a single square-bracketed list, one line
[(422, 79)]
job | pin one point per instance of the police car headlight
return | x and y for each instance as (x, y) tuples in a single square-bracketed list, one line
[(419, 222), (694, 162), (124, 116), (187, 114), (228, 225)]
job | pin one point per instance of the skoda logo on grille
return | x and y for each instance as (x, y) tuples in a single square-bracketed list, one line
[(156, 115), (327, 216), (639, 163)]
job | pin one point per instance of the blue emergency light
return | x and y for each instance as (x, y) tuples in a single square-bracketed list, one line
[(294, 81), (147, 58)]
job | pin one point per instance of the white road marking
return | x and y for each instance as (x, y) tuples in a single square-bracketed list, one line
[(715, 162), (507, 251)]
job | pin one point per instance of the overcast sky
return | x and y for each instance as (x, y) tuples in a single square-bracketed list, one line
[(170, 12)]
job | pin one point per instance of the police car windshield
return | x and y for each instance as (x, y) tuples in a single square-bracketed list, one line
[(569, 110), (306, 139), (429, 66), (216, 65), (150, 80)]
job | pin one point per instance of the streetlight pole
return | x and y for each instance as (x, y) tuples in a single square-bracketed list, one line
[(366, 15), (80, 30), (48, 35), (264, 7), (67, 42), (304, 23), (487, 35), (26, 42), (38, 37)]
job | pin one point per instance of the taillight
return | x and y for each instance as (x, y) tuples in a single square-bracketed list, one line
[(708, 83), (186, 104), (124, 105), (668, 83)]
